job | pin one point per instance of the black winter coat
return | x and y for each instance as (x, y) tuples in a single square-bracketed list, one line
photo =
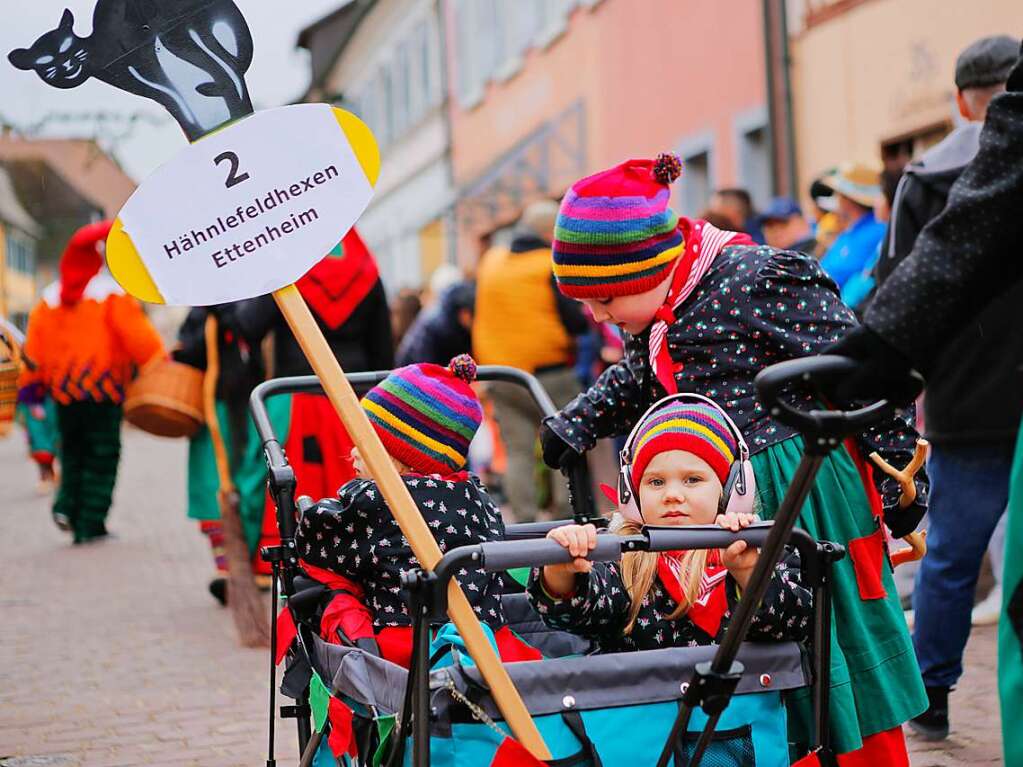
[(436, 335), (969, 254), (975, 391), (362, 342)]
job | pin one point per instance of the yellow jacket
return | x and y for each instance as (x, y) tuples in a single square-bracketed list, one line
[(516, 319)]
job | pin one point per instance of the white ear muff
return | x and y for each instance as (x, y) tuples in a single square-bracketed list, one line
[(740, 500), (628, 499)]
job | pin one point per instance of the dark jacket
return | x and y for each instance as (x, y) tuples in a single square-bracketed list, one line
[(980, 365), (599, 610), (355, 536), (362, 342), (969, 254), (755, 306), (437, 335), (241, 365)]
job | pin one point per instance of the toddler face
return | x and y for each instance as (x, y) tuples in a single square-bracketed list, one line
[(633, 314), (362, 471), (679, 488)]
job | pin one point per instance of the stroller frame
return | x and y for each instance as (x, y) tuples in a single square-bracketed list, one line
[(281, 483), (713, 683)]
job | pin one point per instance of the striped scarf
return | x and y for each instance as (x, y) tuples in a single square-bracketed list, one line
[(703, 242)]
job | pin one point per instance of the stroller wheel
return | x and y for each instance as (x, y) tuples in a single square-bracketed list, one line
[(218, 588)]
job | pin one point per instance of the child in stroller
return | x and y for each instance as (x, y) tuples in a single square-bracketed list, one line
[(426, 416), (682, 465)]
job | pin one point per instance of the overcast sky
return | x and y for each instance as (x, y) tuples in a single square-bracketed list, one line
[(278, 74)]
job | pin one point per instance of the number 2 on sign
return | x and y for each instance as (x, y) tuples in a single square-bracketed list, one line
[(233, 178)]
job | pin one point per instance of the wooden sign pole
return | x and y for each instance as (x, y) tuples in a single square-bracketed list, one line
[(411, 522)]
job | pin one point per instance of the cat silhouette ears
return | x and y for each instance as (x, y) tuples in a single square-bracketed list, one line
[(22, 58)]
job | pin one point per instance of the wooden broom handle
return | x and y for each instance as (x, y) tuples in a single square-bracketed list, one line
[(405, 513), (209, 401)]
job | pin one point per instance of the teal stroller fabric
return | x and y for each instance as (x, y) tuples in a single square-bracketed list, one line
[(598, 710)]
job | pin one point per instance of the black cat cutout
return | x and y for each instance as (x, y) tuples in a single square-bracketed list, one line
[(190, 56)]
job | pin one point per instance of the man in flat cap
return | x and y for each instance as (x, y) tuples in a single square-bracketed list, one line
[(963, 263), (972, 405)]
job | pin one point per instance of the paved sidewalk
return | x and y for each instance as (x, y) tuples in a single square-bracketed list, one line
[(114, 654)]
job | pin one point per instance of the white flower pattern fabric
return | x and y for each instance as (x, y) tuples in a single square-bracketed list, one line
[(368, 547), (599, 609)]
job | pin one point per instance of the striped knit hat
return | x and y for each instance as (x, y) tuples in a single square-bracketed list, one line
[(690, 426), (426, 415), (615, 234)]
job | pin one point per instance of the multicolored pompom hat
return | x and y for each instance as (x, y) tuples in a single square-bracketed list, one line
[(426, 415), (615, 234), (697, 428)]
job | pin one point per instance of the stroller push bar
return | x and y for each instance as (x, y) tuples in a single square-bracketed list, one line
[(823, 431), (505, 555)]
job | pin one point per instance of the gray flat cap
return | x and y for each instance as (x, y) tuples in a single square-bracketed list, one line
[(987, 61)]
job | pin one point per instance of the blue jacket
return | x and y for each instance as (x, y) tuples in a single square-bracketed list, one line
[(854, 250)]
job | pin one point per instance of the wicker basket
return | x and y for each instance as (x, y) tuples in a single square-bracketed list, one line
[(10, 368), (166, 399)]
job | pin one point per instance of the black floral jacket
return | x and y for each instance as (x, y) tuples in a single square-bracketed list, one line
[(599, 610), (754, 307), (355, 536)]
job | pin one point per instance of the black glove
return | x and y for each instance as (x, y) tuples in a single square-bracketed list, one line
[(883, 372), (555, 450)]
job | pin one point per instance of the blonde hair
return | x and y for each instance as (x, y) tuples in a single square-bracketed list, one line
[(639, 571)]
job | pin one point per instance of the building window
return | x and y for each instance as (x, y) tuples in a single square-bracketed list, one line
[(385, 107), (402, 77), (753, 155), (470, 83), (20, 254), (555, 20), (695, 184)]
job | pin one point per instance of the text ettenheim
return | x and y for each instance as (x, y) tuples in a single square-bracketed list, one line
[(261, 204)]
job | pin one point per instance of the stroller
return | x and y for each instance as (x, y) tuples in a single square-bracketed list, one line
[(720, 705)]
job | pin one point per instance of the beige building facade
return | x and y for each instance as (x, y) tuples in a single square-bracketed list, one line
[(873, 79)]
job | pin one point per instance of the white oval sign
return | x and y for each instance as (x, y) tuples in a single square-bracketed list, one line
[(251, 208)]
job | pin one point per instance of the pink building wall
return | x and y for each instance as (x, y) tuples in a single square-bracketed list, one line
[(650, 75)]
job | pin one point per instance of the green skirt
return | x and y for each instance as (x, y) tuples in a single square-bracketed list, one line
[(248, 472), (875, 680), (1010, 637), (41, 432)]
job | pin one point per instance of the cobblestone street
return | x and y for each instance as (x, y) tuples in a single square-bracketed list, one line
[(115, 654)]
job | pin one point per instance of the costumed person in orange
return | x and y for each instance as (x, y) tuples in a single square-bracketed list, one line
[(85, 341), (347, 298)]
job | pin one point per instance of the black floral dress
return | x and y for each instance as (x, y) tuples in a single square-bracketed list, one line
[(599, 610), (355, 536), (756, 306)]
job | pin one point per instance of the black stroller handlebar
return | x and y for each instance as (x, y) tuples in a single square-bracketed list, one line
[(504, 555), (829, 426)]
